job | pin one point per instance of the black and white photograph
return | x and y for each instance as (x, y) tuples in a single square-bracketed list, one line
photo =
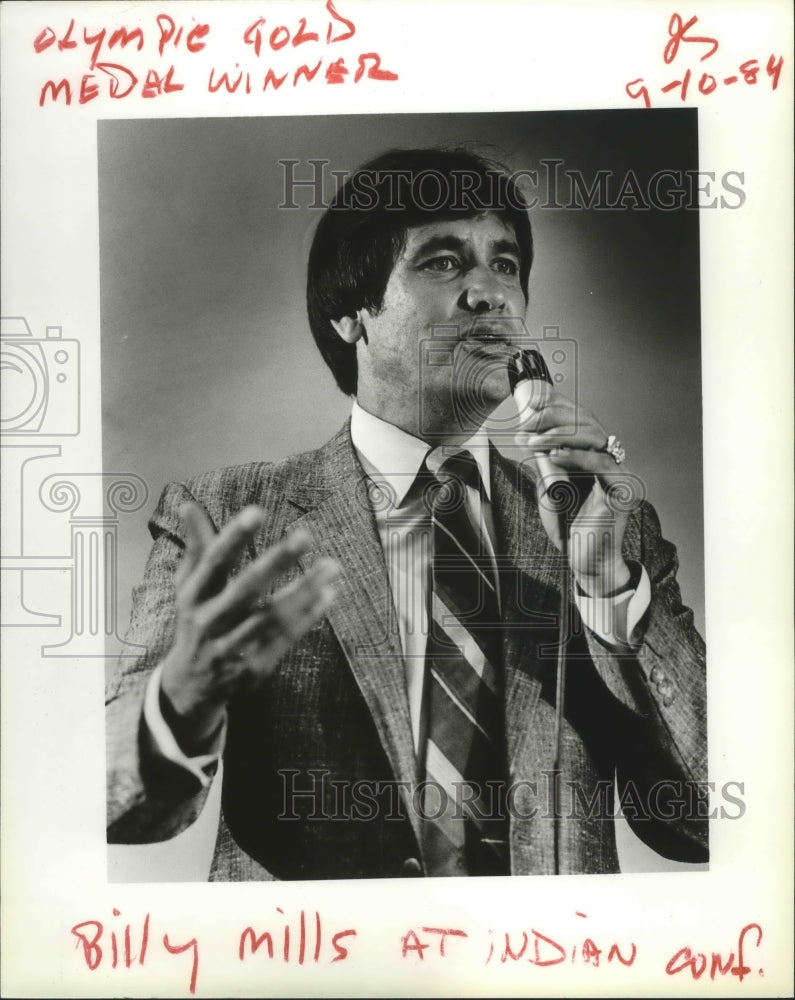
[(396, 551), (326, 313)]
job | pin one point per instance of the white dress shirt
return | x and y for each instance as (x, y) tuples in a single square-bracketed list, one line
[(391, 458)]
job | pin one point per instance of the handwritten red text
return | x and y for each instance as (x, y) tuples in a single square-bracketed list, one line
[(157, 59), (682, 39), (109, 946)]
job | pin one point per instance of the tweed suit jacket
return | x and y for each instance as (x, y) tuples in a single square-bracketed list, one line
[(319, 764)]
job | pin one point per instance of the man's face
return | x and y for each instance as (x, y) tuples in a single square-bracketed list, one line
[(460, 279)]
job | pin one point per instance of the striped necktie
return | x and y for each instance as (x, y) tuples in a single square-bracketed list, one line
[(465, 829)]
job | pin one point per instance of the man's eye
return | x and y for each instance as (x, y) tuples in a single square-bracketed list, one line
[(444, 263), (506, 265)]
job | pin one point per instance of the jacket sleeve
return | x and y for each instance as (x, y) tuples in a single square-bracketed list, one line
[(661, 744), (148, 798)]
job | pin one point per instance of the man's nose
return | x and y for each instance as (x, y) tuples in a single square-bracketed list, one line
[(483, 292)]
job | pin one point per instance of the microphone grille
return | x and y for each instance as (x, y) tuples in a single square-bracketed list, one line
[(527, 364)]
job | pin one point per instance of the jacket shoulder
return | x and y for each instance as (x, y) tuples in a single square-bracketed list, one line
[(239, 485), (299, 481)]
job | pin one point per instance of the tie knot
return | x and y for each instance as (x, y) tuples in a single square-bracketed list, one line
[(448, 479), (461, 465)]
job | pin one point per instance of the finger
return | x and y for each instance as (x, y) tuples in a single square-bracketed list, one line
[(199, 529), (617, 485), (557, 413), (258, 662), (236, 599), (220, 553), (263, 638), (596, 462), (534, 411), (199, 532), (300, 624), (532, 395), (292, 602), (569, 435), (287, 607)]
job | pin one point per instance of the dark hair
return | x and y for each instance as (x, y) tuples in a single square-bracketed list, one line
[(363, 231)]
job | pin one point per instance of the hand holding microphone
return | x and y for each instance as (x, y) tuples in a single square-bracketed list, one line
[(529, 378), (577, 465)]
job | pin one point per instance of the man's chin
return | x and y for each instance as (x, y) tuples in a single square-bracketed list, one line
[(480, 383)]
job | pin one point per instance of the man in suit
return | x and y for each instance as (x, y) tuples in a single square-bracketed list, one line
[(289, 610)]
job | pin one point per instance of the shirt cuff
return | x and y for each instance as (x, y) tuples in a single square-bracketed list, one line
[(163, 743), (615, 619)]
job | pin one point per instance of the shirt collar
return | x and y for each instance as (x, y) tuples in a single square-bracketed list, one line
[(393, 456)]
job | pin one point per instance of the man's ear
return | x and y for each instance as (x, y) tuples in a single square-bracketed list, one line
[(350, 328)]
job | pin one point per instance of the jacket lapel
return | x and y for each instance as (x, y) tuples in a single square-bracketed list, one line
[(338, 517), (342, 527), (530, 614)]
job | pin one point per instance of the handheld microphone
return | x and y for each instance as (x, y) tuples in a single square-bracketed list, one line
[(526, 370), (528, 364), (561, 492)]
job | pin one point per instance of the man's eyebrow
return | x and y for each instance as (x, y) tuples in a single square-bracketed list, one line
[(506, 246), (434, 243), (450, 242)]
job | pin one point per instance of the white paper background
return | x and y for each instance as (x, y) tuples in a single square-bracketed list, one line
[(449, 56)]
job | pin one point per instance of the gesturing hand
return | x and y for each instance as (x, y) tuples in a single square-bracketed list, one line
[(228, 638), (573, 443)]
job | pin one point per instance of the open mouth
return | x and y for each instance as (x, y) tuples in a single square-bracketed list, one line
[(487, 339), (488, 331), (490, 338)]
